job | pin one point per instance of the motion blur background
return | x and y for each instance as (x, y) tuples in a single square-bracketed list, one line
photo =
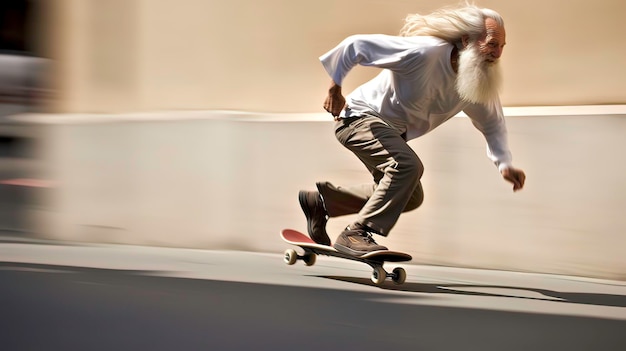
[(194, 123)]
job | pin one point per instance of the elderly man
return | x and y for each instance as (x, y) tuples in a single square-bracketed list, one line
[(442, 63)]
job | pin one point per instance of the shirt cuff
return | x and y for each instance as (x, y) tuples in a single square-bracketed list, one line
[(503, 166)]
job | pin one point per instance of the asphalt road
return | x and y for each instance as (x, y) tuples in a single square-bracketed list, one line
[(99, 297)]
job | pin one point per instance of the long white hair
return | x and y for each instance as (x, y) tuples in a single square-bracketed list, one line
[(451, 23)]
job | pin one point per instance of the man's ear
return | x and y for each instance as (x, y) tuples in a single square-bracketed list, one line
[(465, 40)]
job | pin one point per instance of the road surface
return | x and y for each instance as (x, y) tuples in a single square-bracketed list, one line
[(61, 296)]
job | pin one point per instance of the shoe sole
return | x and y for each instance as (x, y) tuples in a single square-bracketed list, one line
[(307, 214)]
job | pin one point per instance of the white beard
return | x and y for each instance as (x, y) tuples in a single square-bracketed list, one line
[(477, 81)]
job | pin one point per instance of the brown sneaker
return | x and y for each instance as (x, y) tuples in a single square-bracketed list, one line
[(316, 216), (357, 241)]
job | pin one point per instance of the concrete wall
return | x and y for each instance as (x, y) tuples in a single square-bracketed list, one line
[(146, 55), (231, 182)]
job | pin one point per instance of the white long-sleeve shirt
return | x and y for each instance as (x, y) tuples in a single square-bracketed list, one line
[(416, 90)]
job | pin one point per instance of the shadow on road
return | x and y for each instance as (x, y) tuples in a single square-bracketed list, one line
[(459, 289)]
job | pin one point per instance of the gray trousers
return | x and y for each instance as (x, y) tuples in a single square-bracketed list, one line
[(393, 164)]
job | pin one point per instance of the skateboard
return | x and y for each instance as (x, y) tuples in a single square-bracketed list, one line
[(375, 259)]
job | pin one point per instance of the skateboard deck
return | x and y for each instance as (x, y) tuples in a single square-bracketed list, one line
[(375, 259)]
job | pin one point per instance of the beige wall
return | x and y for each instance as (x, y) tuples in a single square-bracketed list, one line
[(138, 55), (221, 181)]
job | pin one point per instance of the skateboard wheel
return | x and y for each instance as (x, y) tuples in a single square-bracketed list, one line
[(399, 275), (291, 256), (379, 275), (309, 258)]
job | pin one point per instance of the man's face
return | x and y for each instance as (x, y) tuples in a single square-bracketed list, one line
[(492, 43), (479, 77)]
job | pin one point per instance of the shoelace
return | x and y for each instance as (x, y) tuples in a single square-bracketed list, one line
[(369, 238)]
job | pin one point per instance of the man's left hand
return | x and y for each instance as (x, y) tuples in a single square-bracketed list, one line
[(515, 176)]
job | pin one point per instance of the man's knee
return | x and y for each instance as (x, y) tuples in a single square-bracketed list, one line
[(416, 199), (410, 163)]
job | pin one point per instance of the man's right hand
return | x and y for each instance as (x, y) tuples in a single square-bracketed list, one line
[(335, 102)]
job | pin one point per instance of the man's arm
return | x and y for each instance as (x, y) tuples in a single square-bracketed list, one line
[(374, 50), (490, 121)]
